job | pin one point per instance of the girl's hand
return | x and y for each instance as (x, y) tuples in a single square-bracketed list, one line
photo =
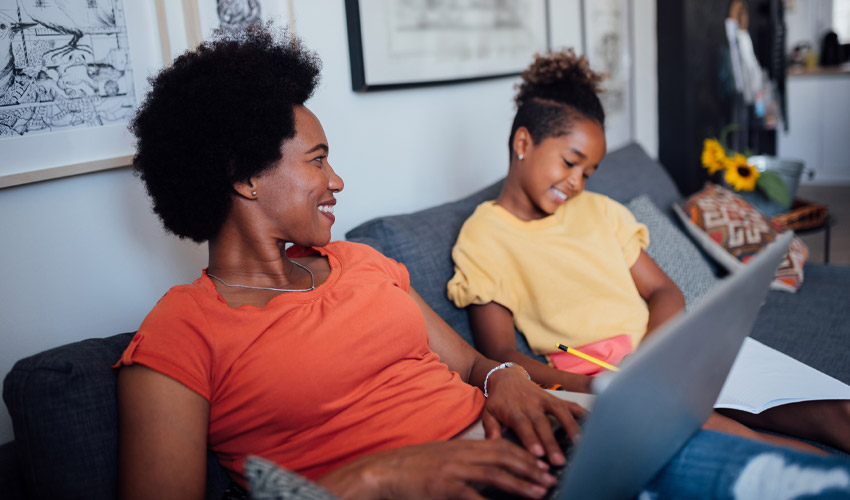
[(451, 469), (518, 403)]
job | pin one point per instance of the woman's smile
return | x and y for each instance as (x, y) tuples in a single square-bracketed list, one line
[(327, 209)]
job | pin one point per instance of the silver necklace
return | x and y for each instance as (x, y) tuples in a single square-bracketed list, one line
[(312, 282)]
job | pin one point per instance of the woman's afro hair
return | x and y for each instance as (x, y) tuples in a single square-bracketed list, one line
[(217, 116), (556, 90)]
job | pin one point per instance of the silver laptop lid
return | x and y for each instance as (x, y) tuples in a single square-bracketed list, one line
[(664, 391)]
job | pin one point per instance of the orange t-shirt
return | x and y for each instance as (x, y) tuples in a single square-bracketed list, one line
[(313, 379)]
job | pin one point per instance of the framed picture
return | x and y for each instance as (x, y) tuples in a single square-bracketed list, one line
[(77, 72), (397, 44), (608, 49), (190, 21)]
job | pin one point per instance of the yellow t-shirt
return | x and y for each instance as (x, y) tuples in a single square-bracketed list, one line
[(565, 278)]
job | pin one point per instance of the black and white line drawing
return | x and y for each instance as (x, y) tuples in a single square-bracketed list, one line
[(458, 30), (236, 14), (419, 42), (66, 65)]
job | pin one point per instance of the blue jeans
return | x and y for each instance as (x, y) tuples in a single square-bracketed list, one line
[(722, 466)]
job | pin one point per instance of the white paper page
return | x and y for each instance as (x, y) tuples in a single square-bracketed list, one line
[(763, 377)]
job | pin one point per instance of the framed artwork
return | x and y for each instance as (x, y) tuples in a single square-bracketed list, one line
[(396, 44), (202, 17), (187, 22), (76, 71), (607, 41)]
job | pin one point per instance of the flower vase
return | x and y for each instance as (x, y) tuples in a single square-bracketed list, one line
[(764, 204), (755, 197)]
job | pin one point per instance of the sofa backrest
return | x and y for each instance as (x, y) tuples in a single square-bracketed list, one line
[(65, 418), (629, 172), (423, 240)]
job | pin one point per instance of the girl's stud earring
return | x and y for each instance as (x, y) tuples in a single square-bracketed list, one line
[(519, 156), (253, 193)]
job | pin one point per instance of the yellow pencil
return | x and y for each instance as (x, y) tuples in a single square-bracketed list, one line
[(588, 357)]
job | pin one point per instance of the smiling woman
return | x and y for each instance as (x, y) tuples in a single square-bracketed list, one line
[(277, 349)]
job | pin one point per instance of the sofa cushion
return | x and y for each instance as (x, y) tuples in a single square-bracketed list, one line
[(674, 253), (812, 325), (65, 418)]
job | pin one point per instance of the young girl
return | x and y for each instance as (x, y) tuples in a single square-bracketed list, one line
[(567, 266)]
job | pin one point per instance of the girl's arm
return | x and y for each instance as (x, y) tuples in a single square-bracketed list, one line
[(493, 329), (662, 296), (514, 401)]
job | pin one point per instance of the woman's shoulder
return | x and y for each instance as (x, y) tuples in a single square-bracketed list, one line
[(182, 298), (346, 250), (354, 255)]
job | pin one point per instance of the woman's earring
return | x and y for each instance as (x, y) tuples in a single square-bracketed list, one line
[(253, 193), (519, 156)]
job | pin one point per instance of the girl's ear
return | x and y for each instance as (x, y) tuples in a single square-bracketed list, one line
[(246, 189), (522, 140)]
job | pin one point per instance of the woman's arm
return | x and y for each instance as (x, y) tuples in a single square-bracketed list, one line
[(162, 436), (449, 469), (514, 400), (662, 296), (493, 329)]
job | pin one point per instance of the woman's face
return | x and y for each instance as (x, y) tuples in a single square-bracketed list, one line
[(556, 169), (297, 193)]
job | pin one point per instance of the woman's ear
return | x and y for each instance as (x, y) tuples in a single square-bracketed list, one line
[(246, 189), (522, 140)]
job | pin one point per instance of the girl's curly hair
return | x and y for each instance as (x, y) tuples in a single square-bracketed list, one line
[(556, 90), (218, 115)]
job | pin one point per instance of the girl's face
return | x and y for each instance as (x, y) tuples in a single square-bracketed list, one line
[(297, 193), (555, 170)]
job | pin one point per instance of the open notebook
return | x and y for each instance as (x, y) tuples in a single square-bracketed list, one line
[(763, 377)]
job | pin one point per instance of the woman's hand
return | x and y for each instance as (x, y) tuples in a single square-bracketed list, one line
[(451, 469), (518, 403)]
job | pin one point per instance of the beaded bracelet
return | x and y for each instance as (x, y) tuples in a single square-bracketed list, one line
[(506, 364)]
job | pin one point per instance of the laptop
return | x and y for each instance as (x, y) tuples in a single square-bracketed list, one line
[(644, 414)]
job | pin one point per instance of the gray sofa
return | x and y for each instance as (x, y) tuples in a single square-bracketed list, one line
[(62, 401)]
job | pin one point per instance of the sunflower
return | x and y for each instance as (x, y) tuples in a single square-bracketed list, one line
[(739, 174), (713, 156)]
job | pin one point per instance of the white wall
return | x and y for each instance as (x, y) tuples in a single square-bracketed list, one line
[(807, 21), (84, 257), (645, 98), (817, 103)]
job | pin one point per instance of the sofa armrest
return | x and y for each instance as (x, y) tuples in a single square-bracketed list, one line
[(65, 418), (11, 483)]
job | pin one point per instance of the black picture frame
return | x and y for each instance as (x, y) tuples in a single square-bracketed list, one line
[(505, 39)]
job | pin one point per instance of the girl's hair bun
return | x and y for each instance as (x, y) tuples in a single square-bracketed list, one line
[(557, 76)]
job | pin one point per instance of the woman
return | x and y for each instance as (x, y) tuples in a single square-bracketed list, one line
[(317, 355)]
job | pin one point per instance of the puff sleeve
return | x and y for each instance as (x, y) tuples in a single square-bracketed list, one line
[(631, 234)]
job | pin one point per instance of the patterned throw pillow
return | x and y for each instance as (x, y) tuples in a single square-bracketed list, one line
[(733, 231), (267, 481)]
